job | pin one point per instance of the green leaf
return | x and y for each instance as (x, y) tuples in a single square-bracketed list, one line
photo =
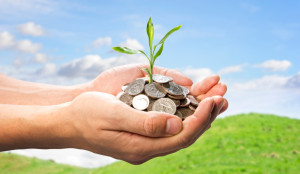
[(150, 32), (158, 53), (125, 50), (154, 48), (144, 54), (147, 71), (168, 34)]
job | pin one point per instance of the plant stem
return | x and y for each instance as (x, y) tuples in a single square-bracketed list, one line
[(151, 65), (151, 72)]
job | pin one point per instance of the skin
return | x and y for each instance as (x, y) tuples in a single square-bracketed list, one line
[(88, 116)]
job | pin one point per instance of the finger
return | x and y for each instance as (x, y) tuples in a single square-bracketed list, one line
[(225, 106), (219, 89), (205, 85), (142, 146), (147, 158), (177, 76), (222, 107), (151, 124), (191, 126), (219, 102)]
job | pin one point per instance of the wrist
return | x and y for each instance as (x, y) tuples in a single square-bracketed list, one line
[(43, 127), (76, 90), (60, 127)]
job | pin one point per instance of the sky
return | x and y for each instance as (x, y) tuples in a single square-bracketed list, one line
[(253, 45)]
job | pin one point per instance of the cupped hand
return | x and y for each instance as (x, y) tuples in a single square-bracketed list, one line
[(111, 81), (104, 125)]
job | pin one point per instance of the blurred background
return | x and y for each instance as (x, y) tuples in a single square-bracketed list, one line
[(253, 45)]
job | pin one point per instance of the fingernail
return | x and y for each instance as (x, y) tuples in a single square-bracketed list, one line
[(221, 106), (213, 105), (173, 126)]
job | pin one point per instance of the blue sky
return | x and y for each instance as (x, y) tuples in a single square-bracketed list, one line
[(215, 34), (253, 45)]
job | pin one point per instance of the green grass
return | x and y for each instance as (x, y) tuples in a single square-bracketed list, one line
[(17, 164), (245, 143)]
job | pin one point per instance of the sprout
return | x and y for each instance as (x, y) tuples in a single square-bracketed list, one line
[(153, 54)]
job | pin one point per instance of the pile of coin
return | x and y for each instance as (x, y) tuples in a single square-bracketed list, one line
[(163, 95)]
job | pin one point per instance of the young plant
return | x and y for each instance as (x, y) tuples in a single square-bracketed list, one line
[(153, 54)]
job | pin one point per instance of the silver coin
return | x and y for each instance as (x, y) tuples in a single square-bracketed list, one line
[(161, 78), (119, 94), (146, 79), (173, 88), (193, 100), (149, 108), (185, 90), (177, 102), (179, 114), (164, 105), (126, 98), (155, 90), (177, 97), (124, 87), (140, 102), (192, 107), (186, 112), (136, 87), (185, 102)]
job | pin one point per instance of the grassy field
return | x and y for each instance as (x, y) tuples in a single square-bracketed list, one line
[(246, 143), (17, 164)]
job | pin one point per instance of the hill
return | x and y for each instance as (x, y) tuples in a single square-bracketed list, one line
[(17, 164), (245, 143)]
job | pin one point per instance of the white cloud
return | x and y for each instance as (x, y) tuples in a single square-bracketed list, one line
[(275, 65), (266, 82), (271, 82), (6, 40), (18, 62), (40, 58), (30, 28), (20, 7), (231, 69), (283, 102), (294, 81), (92, 65), (269, 94), (49, 69), (197, 74), (27, 46), (102, 41), (133, 44)]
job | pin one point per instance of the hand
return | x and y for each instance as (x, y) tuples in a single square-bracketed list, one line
[(105, 125), (111, 81)]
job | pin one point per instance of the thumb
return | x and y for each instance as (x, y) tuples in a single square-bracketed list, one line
[(151, 124)]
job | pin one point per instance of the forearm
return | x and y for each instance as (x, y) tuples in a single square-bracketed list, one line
[(17, 92), (42, 127)]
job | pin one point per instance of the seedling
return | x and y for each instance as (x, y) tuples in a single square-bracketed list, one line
[(153, 54)]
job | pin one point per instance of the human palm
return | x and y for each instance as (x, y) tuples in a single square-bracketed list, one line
[(111, 81), (137, 136)]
